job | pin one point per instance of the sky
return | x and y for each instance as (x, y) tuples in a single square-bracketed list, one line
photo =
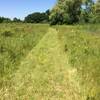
[(21, 8)]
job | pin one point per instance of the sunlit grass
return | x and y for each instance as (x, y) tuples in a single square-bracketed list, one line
[(16, 40), (38, 62), (82, 45)]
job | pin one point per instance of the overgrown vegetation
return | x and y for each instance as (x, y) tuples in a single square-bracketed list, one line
[(81, 44), (16, 40), (62, 62), (8, 20)]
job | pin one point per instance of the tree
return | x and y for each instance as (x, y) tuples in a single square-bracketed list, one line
[(1, 19), (4, 20), (37, 17), (16, 20), (66, 12), (47, 13), (88, 12), (97, 11)]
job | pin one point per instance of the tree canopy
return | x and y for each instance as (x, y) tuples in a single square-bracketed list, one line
[(72, 11), (3, 19), (37, 17)]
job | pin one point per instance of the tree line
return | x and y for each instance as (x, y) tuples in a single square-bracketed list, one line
[(75, 11), (38, 17), (8, 20), (65, 12), (35, 17)]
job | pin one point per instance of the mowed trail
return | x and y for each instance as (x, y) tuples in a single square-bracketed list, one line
[(45, 73)]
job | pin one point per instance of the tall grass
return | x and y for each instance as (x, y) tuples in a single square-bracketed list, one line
[(82, 45), (60, 63), (16, 40)]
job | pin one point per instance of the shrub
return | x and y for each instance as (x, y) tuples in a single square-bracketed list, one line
[(7, 34)]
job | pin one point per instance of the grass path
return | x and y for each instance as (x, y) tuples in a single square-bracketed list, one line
[(45, 73)]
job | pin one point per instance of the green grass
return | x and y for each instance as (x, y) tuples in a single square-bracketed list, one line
[(39, 62), (16, 40), (82, 45)]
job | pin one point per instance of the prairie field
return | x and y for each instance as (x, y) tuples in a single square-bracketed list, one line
[(42, 62)]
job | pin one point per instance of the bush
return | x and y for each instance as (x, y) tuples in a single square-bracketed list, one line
[(36, 18), (7, 34)]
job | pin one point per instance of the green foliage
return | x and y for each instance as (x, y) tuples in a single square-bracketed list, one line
[(56, 18), (88, 13), (66, 12), (75, 11), (37, 17), (4, 20), (16, 20), (8, 20)]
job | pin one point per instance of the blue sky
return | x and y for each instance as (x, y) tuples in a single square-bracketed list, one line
[(21, 8)]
